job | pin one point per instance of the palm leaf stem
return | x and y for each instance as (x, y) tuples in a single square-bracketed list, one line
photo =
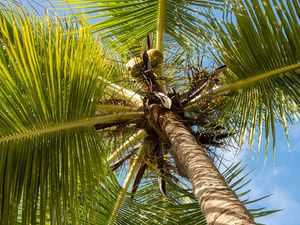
[(133, 140), (160, 26), (160, 36), (127, 181), (120, 162), (123, 93), (118, 117), (243, 83)]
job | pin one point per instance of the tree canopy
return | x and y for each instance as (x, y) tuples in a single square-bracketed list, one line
[(69, 109)]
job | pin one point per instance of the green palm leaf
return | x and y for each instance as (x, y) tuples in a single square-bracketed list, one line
[(126, 22), (260, 46), (54, 75), (50, 151), (150, 207)]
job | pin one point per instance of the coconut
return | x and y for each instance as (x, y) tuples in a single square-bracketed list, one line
[(135, 65), (155, 56)]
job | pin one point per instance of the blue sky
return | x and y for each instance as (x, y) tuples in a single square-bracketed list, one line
[(279, 177)]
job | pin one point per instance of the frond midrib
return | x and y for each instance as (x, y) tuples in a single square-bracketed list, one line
[(246, 82), (118, 117)]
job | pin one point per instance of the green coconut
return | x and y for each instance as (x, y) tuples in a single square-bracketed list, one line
[(156, 57), (136, 65)]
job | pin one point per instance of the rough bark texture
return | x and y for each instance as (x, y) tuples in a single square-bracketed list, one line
[(218, 202)]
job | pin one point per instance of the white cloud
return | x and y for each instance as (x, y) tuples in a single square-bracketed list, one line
[(269, 178), (282, 199), (264, 183)]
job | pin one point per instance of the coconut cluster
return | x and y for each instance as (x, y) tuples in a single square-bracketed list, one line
[(136, 65)]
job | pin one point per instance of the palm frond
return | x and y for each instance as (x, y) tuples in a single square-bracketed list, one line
[(113, 90), (49, 82), (131, 212), (260, 46), (237, 179), (179, 207), (125, 23)]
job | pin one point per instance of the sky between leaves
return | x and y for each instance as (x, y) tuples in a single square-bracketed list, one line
[(281, 178)]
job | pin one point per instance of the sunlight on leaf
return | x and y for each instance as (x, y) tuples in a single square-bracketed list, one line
[(49, 77)]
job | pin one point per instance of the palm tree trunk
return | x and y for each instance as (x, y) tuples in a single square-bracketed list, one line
[(218, 202)]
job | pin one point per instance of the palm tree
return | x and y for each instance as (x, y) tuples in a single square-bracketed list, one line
[(52, 82)]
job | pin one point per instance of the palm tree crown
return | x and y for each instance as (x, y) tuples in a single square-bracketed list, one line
[(148, 94)]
